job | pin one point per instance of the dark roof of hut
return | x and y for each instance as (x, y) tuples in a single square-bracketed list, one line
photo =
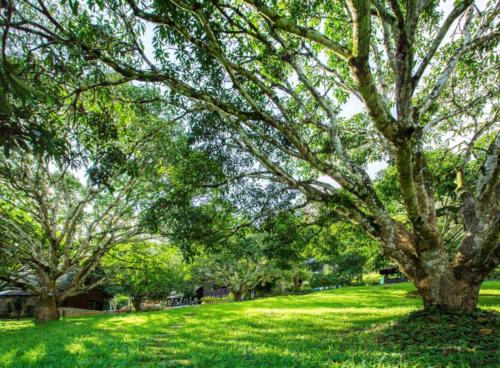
[(388, 270), (14, 292)]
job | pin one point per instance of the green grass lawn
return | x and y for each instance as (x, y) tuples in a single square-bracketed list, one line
[(336, 328)]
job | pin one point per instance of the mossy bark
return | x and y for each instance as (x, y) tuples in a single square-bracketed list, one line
[(450, 295)]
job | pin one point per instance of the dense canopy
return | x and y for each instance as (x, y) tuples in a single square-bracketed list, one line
[(266, 90)]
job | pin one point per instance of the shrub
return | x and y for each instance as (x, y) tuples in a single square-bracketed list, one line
[(217, 300), (323, 280), (371, 278), (121, 301)]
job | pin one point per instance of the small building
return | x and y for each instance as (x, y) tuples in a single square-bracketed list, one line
[(392, 275), (95, 299), (15, 303), (202, 291)]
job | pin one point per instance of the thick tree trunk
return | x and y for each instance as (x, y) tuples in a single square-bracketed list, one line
[(442, 287), (137, 303), (438, 281), (46, 309), (449, 295)]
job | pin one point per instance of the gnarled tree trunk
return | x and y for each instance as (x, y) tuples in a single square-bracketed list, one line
[(46, 310), (449, 295), (440, 282), (441, 288)]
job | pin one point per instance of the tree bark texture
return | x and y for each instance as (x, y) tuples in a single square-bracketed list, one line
[(46, 309)]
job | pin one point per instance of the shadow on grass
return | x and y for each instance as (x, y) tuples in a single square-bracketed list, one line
[(451, 339)]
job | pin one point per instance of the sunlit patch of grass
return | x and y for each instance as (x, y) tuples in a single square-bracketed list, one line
[(334, 328), (372, 278), (15, 325), (34, 354), (290, 312), (8, 358), (75, 348)]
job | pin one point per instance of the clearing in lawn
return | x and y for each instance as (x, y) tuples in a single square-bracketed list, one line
[(350, 327)]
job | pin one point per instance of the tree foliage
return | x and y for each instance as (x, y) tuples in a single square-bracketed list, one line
[(240, 266), (146, 270), (57, 224), (263, 83)]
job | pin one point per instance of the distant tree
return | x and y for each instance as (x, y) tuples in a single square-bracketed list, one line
[(323, 277), (57, 227), (341, 271), (146, 270), (55, 230), (293, 277), (340, 253), (349, 268), (240, 266)]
